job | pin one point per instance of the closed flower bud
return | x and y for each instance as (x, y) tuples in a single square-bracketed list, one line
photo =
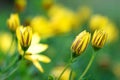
[(20, 5), (13, 22), (99, 38), (24, 35), (80, 43)]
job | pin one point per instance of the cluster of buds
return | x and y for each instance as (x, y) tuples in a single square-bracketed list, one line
[(24, 35), (82, 40)]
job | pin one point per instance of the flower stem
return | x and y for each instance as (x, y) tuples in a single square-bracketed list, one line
[(11, 44), (67, 65), (13, 69), (88, 66), (70, 76)]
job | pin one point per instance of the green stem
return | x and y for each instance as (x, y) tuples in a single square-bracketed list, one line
[(12, 64), (13, 39), (70, 77), (69, 63), (88, 66), (16, 63), (5, 76)]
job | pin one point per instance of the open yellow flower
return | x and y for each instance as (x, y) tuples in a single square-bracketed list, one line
[(33, 50)]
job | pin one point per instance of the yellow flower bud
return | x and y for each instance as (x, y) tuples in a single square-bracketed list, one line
[(20, 5), (99, 38), (47, 4), (24, 35), (80, 43), (13, 22)]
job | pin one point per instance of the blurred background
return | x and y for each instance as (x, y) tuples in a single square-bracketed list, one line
[(58, 22)]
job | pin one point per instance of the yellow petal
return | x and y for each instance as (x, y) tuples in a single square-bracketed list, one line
[(38, 66), (37, 48), (35, 38), (41, 58), (44, 58)]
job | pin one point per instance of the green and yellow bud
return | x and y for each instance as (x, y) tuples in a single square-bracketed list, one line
[(13, 22), (99, 39), (80, 43), (20, 5), (24, 35)]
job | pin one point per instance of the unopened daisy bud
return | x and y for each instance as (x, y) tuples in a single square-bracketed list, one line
[(20, 5), (13, 22), (24, 35), (80, 43), (47, 4), (99, 38)]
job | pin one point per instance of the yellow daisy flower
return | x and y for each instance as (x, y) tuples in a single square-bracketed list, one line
[(32, 52)]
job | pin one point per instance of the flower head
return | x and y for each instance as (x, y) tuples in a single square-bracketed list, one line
[(20, 4), (99, 38), (47, 4), (98, 22), (32, 52), (41, 25), (80, 43), (24, 35), (13, 22)]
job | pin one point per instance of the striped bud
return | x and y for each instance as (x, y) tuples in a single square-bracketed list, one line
[(99, 38), (24, 35), (80, 43)]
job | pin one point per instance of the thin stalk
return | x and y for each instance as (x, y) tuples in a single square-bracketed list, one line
[(70, 76), (8, 74), (88, 66), (69, 63), (13, 39)]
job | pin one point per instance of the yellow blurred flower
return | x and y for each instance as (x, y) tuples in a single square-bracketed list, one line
[(32, 52), (41, 26), (99, 38), (80, 43), (57, 71), (6, 42), (98, 22), (83, 14), (24, 35), (13, 22), (20, 5), (110, 30), (61, 18)]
